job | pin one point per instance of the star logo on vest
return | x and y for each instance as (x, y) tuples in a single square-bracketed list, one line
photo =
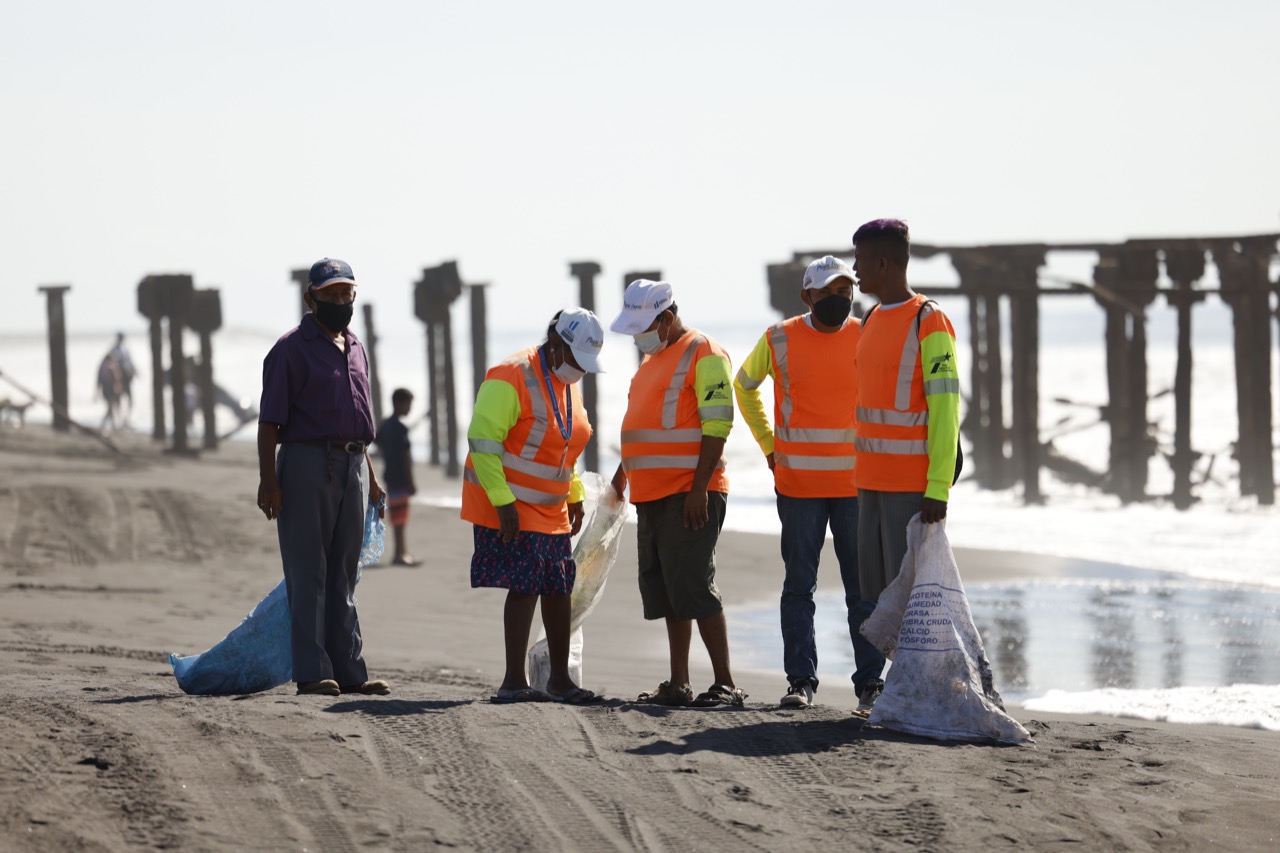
[(942, 364), (717, 392)]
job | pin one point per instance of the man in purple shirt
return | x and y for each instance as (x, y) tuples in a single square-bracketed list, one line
[(316, 407)]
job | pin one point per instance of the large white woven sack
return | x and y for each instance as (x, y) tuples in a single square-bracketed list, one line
[(940, 685)]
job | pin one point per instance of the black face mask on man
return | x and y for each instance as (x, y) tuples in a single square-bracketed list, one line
[(334, 317), (833, 310)]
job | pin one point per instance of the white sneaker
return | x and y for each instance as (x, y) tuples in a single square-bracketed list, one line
[(799, 695), (867, 700)]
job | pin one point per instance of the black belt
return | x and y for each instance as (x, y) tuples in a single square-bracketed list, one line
[(353, 447)]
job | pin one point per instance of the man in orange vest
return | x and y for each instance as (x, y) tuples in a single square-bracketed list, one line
[(678, 415), (809, 449), (908, 406)]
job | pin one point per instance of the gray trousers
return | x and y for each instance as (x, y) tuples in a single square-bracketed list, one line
[(882, 537), (321, 529)]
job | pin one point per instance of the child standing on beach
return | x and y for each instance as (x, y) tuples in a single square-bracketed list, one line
[(397, 471)]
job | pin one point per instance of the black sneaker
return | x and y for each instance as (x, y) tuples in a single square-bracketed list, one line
[(799, 695), (867, 697)]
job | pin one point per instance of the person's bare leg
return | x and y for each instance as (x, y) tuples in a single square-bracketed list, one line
[(679, 635), (555, 620), (517, 616), (715, 636), (399, 539)]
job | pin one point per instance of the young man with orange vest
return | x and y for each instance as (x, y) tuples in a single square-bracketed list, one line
[(522, 493), (908, 405), (810, 450), (679, 414)]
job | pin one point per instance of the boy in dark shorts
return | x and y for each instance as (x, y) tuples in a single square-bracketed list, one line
[(397, 474)]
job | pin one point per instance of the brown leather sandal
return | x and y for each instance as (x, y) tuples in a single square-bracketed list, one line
[(721, 694), (668, 694)]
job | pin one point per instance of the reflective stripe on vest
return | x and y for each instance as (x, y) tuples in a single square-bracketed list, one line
[(813, 463), (643, 463), (539, 408), (893, 446), (814, 435), (519, 463), (522, 493), (778, 338), (672, 397)]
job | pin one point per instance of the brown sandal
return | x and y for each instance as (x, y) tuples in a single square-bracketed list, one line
[(668, 694), (721, 694)]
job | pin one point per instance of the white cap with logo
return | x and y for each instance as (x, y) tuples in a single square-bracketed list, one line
[(825, 270), (580, 329), (643, 301)]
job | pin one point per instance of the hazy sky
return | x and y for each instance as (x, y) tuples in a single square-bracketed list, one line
[(238, 140)]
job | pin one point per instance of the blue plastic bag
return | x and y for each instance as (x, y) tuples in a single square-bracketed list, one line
[(256, 655)]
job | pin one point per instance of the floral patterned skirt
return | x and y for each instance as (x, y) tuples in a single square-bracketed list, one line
[(534, 564)]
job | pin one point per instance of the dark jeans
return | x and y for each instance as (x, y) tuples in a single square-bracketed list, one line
[(804, 530)]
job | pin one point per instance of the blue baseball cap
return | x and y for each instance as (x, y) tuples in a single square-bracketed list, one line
[(327, 271)]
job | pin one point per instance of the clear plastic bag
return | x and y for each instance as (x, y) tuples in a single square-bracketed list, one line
[(256, 655), (593, 554), (372, 548)]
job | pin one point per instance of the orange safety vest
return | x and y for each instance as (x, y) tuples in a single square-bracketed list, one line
[(536, 459), (662, 429), (814, 402), (893, 415)]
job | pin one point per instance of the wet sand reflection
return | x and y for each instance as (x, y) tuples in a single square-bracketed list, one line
[(1080, 635), (1124, 629)]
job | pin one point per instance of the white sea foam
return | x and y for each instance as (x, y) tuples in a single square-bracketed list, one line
[(1254, 706)]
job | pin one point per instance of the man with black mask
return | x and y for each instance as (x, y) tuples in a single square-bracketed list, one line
[(316, 406), (809, 449)]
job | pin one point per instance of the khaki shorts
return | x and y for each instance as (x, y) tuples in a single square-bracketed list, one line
[(678, 563)]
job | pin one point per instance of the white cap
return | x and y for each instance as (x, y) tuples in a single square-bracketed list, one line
[(643, 301), (825, 270), (580, 329)]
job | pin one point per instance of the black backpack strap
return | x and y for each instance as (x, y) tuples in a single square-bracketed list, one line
[(933, 306)]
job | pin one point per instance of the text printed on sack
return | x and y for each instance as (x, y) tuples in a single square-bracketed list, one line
[(926, 625)]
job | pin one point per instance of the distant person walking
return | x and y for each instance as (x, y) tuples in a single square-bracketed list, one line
[(522, 494), (317, 408), (397, 472), (810, 450), (679, 413), (908, 407), (110, 386), (127, 373)]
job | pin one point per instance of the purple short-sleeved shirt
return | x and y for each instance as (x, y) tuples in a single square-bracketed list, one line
[(313, 390)]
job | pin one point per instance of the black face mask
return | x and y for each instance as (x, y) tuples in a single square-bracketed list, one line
[(334, 317), (833, 310)]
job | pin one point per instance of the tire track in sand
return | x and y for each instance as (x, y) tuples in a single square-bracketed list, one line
[(420, 746), (655, 820)]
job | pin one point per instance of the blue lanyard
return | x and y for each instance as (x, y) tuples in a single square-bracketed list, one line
[(566, 432)]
